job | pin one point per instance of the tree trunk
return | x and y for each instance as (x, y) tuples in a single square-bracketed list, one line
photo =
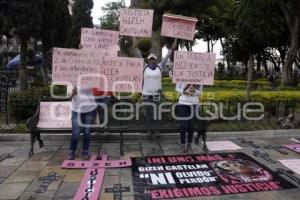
[(249, 77), (208, 44), (23, 68), (156, 44), (226, 57), (46, 65), (258, 62), (265, 64), (291, 56)]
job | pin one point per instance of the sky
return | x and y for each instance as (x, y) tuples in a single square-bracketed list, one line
[(97, 13)]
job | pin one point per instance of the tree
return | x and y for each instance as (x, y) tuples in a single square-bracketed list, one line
[(290, 8), (24, 19), (55, 27), (81, 18)]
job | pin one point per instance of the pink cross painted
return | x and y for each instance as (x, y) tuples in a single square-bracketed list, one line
[(92, 180)]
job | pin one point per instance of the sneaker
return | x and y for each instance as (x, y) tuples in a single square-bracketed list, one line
[(71, 155), (85, 154)]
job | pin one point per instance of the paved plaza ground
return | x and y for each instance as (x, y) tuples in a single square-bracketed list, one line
[(19, 174)]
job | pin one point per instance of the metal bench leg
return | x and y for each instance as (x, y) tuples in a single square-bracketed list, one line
[(32, 141), (204, 140), (38, 136)]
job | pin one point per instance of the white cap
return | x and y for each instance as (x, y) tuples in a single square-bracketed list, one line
[(152, 55)]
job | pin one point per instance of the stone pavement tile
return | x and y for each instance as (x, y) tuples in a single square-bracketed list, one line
[(6, 171), (21, 153), (151, 149), (33, 165), (74, 175), (7, 149), (37, 196), (112, 172), (12, 191), (111, 149), (170, 148), (13, 161), (127, 197), (66, 191), (108, 182), (42, 156), (131, 150), (2, 180), (21, 177)]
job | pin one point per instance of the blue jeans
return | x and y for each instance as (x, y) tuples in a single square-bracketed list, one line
[(186, 125), (86, 119)]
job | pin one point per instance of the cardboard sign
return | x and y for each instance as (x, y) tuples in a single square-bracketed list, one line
[(90, 185), (222, 146), (293, 164), (136, 22), (55, 115), (187, 176), (293, 147), (104, 41), (78, 164), (88, 69), (194, 68), (75, 67), (177, 26)]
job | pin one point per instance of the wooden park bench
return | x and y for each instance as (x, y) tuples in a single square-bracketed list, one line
[(40, 122)]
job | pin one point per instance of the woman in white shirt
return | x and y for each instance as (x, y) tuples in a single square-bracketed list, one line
[(187, 108), (83, 114), (151, 90)]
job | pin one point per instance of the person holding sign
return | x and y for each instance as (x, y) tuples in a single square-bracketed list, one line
[(187, 108), (151, 88), (83, 116)]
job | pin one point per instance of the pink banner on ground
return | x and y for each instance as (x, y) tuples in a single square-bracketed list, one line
[(78, 164), (88, 69), (222, 146), (194, 68), (297, 140), (104, 41), (90, 186), (136, 22), (55, 115), (293, 147), (177, 26), (293, 164)]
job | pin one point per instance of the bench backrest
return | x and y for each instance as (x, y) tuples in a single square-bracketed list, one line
[(55, 115)]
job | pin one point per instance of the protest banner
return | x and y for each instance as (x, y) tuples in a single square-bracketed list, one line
[(187, 176), (136, 22), (293, 147), (55, 115), (177, 26), (194, 68), (88, 69), (104, 41)]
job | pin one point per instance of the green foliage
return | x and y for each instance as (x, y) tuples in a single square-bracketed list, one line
[(22, 104), (81, 18), (145, 45), (111, 18)]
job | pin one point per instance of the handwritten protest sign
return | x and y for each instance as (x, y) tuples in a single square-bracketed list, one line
[(104, 41), (88, 69), (194, 68), (55, 115), (136, 22), (177, 26)]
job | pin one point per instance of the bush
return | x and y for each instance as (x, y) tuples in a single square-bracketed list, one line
[(22, 104)]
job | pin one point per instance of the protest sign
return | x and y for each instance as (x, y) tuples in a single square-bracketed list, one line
[(222, 146), (88, 69), (194, 68), (177, 26), (104, 41), (55, 115), (136, 22)]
